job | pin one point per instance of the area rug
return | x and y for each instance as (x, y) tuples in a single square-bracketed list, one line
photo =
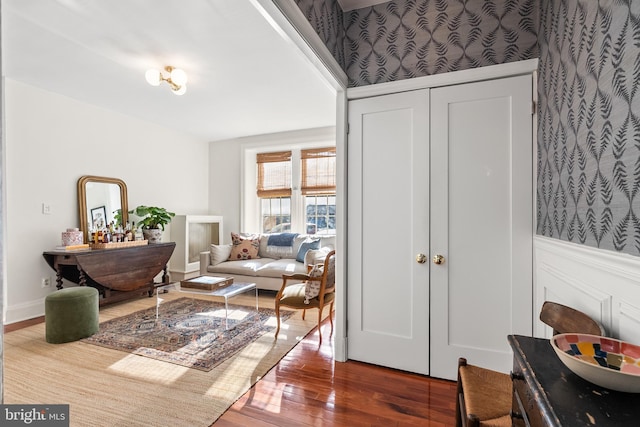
[(108, 388), (189, 332)]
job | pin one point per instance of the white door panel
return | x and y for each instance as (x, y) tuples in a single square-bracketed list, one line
[(481, 217), (388, 225), (445, 171)]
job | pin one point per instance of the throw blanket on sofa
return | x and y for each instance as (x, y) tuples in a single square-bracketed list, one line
[(281, 243)]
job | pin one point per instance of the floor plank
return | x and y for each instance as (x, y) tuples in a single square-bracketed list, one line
[(308, 388)]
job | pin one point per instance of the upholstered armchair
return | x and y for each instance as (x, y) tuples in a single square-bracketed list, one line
[(302, 295)]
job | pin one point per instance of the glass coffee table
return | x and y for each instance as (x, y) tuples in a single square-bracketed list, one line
[(228, 291)]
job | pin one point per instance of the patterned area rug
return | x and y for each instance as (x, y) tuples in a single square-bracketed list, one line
[(187, 331)]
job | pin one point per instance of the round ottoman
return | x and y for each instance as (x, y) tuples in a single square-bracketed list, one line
[(71, 314)]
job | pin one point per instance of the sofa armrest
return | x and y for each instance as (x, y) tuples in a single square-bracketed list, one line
[(205, 261)]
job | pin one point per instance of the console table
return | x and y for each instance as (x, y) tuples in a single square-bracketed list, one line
[(547, 393), (118, 274)]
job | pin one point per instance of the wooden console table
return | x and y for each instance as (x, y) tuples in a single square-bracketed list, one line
[(547, 393), (118, 274)]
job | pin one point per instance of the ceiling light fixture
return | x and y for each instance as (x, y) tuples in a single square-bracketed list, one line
[(176, 78)]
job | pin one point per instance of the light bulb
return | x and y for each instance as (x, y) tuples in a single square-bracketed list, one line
[(181, 91), (153, 77), (178, 76)]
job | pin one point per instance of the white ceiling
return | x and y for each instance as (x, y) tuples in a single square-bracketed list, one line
[(244, 77)]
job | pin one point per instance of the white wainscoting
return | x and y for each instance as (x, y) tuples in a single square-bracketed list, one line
[(603, 284)]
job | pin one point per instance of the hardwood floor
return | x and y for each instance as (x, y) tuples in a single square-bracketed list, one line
[(307, 388)]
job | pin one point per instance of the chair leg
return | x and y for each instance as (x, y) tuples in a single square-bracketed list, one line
[(277, 318), (461, 415), (320, 321), (303, 313)]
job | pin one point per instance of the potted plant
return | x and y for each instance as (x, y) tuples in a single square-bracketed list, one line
[(152, 221)]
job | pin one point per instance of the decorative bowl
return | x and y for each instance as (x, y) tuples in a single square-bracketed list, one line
[(607, 362)]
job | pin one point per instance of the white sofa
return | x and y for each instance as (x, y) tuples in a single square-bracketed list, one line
[(267, 270)]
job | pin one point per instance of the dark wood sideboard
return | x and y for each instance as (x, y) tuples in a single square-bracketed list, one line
[(547, 393), (118, 274)]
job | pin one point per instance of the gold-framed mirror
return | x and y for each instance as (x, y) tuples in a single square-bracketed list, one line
[(99, 200)]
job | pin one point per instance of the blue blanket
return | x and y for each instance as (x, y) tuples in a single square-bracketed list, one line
[(281, 239)]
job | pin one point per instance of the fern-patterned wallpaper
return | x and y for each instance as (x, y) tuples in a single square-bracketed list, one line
[(325, 16), (402, 39), (589, 123)]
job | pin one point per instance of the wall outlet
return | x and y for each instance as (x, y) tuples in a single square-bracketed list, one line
[(46, 282)]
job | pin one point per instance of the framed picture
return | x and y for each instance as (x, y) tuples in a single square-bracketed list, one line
[(99, 217)]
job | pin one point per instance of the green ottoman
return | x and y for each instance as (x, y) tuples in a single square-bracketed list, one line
[(71, 314)]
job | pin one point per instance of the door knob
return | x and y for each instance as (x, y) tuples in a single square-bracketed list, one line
[(438, 259), (421, 258)]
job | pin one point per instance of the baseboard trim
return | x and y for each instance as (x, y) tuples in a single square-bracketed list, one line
[(26, 311), (23, 324)]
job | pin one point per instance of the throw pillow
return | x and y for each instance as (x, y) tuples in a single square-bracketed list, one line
[(312, 287), (220, 253), (244, 247), (305, 246), (277, 245)]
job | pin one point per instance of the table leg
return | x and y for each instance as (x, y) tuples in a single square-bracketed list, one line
[(226, 312), (165, 275), (59, 278)]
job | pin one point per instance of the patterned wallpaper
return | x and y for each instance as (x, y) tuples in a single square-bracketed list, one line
[(403, 39), (589, 123), (325, 17)]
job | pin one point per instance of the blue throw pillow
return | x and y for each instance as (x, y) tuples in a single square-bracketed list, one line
[(305, 246)]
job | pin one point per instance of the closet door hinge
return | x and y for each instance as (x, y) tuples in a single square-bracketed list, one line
[(533, 107), (348, 128)]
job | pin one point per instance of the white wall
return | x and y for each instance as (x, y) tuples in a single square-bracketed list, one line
[(231, 186), (51, 141)]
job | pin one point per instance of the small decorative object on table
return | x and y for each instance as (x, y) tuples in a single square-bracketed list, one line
[(207, 283), (607, 362), (72, 237)]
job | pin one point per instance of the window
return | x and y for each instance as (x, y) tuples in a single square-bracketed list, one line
[(274, 189), (306, 204), (319, 189)]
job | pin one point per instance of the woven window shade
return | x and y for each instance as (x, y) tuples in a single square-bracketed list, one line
[(274, 174), (318, 171)]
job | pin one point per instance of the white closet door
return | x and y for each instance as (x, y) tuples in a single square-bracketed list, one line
[(481, 222), (388, 216)]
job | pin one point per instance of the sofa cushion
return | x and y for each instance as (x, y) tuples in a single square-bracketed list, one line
[(278, 267), (220, 253), (244, 247), (245, 267), (316, 256), (310, 243)]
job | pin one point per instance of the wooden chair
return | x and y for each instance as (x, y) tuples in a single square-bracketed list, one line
[(292, 295), (484, 396), (565, 319)]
